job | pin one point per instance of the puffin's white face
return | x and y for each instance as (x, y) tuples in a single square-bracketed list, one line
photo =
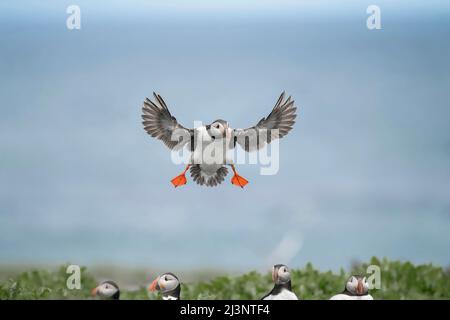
[(218, 130), (105, 290), (203, 134), (164, 283), (281, 274), (357, 285)]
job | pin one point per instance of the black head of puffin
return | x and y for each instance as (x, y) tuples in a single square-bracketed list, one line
[(357, 285), (168, 284), (281, 274), (108, 290)]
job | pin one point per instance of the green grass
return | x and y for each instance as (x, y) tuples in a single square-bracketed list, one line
[(399, 280)]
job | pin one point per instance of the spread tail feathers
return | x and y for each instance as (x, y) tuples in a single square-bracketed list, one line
[(209, 180)]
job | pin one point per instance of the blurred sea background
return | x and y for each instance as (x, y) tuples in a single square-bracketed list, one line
[(365, 172)]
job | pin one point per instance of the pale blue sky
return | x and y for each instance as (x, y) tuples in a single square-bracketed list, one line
[(366, 170)]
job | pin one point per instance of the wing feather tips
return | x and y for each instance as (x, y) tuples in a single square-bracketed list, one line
[(276, 125), (160, 124), (280, 100)]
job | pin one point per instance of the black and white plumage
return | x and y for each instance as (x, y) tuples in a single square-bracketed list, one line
[(210, 144), (282, 289), (107, 290), (168, 284), (356, 288)]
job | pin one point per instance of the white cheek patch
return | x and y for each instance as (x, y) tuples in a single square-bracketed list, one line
[(283, 276), (108, 292), (351, 285), (217, 132), (168, 285)]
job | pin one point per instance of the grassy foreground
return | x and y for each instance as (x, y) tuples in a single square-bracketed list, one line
[(399, 280)]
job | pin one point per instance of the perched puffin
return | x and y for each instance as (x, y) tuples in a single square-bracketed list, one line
[(210, 144), (356, 288), (107, 290), (283, 288), (169, 286)]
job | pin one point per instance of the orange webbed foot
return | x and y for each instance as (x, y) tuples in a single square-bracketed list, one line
[(181, 179), (237, 180)]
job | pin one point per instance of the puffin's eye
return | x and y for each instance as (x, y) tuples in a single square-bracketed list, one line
[(166, 278)]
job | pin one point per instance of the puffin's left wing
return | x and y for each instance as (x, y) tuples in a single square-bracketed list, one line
[(275, 126), (160, 124)]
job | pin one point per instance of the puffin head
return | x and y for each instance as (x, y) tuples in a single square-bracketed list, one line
[(280, 274), (165, 283), (218, 129), (107, 290), (357, 285)]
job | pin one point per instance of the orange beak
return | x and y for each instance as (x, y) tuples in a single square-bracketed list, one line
[(94, 291), (154, 285), (274, 275), (360, 287)]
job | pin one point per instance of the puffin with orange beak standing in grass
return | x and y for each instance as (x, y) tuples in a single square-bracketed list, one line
[(209, 144), (356, 288), (282, 289), (107, 290), (168, 285)]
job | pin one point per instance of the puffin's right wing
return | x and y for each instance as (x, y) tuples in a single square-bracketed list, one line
[(160, 124), (275, 126)]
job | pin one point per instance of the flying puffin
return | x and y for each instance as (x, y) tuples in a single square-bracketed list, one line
[(107, 290), (209, 144), (169, 286), (283, 288), (356, 288)]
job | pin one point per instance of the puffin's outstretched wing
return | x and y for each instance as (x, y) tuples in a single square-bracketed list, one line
[(160, 124), (275, 126)]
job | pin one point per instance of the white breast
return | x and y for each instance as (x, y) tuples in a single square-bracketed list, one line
[(346, 297), (212, 154), (283, 295)]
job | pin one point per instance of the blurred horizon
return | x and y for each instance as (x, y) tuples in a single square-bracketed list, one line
[(365, 171)]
